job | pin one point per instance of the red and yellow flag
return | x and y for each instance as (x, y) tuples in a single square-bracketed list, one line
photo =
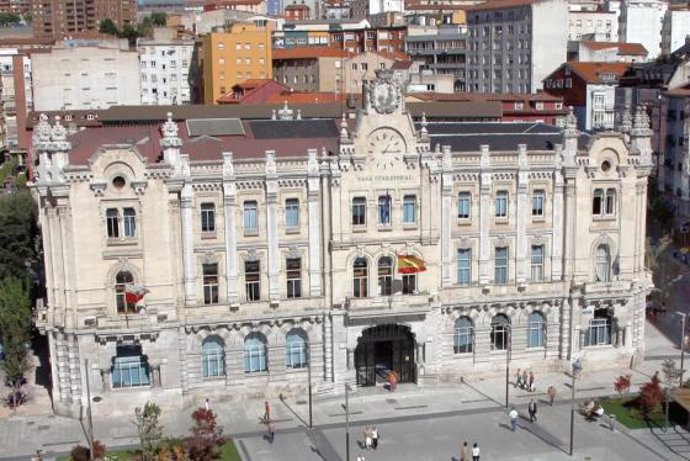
[(410, 264)]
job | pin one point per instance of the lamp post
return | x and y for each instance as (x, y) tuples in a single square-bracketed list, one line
[(683, 316), (509, 351), (308, 350), (576, 368), (347, 422)]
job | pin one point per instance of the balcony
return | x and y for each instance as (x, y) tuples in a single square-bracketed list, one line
[(414, 306)]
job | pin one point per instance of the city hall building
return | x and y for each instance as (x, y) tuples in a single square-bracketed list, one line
[(264, 249)]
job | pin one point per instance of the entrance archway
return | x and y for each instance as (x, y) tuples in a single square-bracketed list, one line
[(382, 349)]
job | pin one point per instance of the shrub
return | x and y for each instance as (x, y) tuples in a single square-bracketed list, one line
[(622, 384), (80, 453), (207, 436), (651, 395)]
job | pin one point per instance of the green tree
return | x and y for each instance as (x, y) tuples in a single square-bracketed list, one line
[(149, 429), (107, 26), (18, 224), (15, 332), (159, 19), (7, 19)]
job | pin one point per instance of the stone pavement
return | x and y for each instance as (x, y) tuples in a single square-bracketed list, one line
[(438, 408)]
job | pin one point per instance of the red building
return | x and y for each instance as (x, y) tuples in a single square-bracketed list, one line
[(297, 12)]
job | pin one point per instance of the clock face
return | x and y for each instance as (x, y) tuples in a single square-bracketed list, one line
[(385, 141)]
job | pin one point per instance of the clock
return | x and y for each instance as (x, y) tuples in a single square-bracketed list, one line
[(385, 141)]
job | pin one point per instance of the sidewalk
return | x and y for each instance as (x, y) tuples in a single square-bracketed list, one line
[(55, 434)]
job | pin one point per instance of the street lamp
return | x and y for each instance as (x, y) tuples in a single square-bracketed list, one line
[(683, 315), (509, 351), (308, 350), (576, 369), (347, 422)]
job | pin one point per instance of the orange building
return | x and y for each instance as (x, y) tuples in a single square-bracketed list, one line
[(240, 53)]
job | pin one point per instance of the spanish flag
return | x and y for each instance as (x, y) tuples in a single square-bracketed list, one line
[(410, 264)]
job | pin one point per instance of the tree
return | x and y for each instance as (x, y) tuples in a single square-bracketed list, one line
[(107, 26), (18, 224), (159, 19), (651, 395), (149, 430), (671, 373), (661, 212), (622, 384), (7, 19), (206, 439), (15, 333)]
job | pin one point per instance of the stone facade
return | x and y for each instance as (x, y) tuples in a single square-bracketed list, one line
[(298, 261)]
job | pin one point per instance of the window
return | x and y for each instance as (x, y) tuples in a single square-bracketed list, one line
[(359, 211), (212, 357), (208, 217), (354, 66), (385, 209), (536, 329), (599, 331), (463, 336), (130, 368), (296, 349), (464, 266), (112, 221), (409, 209), (121, 281), (602, 264), (409, 284), (385, 276), (252, 280), (250, 218), (293, 268), (292, 213), (464, 204), (610, 202), (210, 281), (597, 202), (255, 354), (501, 266), (500, 333), (538, 203), (501, 204), (360, 278), (537, 263)]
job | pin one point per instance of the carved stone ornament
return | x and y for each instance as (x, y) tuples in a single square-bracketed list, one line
[(251, 255), (384, 93)]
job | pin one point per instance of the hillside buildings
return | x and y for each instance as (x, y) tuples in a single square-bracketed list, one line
[(62, 19)]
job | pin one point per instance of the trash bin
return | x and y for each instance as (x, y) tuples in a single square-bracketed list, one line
[(612, 421)]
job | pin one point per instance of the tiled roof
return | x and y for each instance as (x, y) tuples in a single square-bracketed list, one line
[(500, 5), (401, 65), (630, 49), (591, 71), (503, 97), (306, 52)]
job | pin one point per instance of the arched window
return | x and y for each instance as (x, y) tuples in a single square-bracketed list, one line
[(296, 344), (255, 354), (599, 331), (212, 357), (500, 332), (602, 264), (463, 337), (536, 330), (121, 281), (360, 278), (385, 276)]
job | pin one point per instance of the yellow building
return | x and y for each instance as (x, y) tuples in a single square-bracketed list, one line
[(240, 53)]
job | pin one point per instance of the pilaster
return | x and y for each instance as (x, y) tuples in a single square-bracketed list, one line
[(521, 260), (557, 221), (314, 223), (484, 216), (186, 205), (272, 227), (446, 218), (229, 208)]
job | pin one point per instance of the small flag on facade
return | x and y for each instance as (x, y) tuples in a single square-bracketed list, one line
[(135, 293), (410, 264)]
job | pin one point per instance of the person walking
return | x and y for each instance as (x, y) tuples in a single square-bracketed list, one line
[(475, 452), (551, 393), (518, 379), (530, 384), (532, 409), (368, 441), (267, 412), (374, 437), (207, 404), (524, 379), (465, 452), (513, 414)]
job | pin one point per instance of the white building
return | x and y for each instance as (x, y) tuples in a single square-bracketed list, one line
[(641, 22), (273, 251), (676, 27), (17, 98), (165, 63), (385, 6), (86, 74), (599, 26)]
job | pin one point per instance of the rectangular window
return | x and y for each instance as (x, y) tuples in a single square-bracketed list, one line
[(293, 268), (130, 368), (597, 202), (464, 266), (359, 211), (409, 209), (610, 201), (501, 266), (292, 213), (599, 333), (537, 263), (385, 209), (112, 221), (538, 203), (129, 222), (501, 204), (409, 284), (464, 203), (208, 217), (252, 280), (250, 218), (210, 272)]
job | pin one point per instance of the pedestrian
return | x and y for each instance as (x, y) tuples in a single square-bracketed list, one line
[(465, 452), (267, 411), (38, 456), (551, 393), (374, 437), (367, 437), (392, 380), (532, 409), (271, 431), (524, 379), (518, 379), (513, 414), (361, 458), (530, 383), (475, 452), (207, 404)]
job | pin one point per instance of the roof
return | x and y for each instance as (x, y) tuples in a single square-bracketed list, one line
[(500, 5), (477, 97), (631, 49), (591, 72), (296, 6), (307, 52), (401, 65)]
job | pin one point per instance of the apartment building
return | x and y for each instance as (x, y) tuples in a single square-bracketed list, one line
[(597, 25), (17, 99), (63, 19), (675, 29), (641, 22), (439, 51)]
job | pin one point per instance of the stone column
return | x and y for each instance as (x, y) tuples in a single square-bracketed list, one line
[(557, 225), (314, 223), (446, 218), (229, 209), (74, 368), (485, 212), (570, 226), (63, 215), (272, 227), (186, 202)]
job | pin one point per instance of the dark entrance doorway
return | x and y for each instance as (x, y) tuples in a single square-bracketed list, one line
[(382, 349)]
